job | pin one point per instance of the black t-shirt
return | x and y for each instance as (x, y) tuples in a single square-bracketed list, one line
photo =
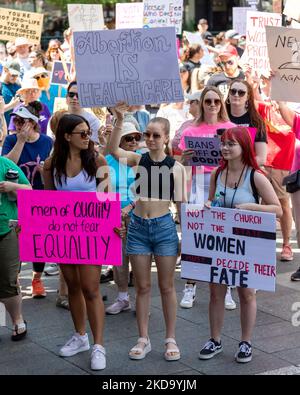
[(245, 120), (222, 82)]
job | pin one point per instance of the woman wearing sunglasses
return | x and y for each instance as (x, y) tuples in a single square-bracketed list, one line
[(122, 180), (74, 108), (241, 109), (28, 148), (212, 116), (151, 230), (232, 181), (30, 92), (72, 166)]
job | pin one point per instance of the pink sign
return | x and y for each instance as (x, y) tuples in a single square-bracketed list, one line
[(69, 227)]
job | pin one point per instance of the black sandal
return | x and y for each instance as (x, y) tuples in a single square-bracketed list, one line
[(19, 335)]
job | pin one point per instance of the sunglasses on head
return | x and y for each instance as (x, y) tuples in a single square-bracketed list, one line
[(40, 76), (129, 139), (209, 102), (238, 92), (229, 62), (156, 136), (73, 94), (84, 134), (194, 101)]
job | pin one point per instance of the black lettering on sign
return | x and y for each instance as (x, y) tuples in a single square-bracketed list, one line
[(259, 234), (219, 243), (196, 259)]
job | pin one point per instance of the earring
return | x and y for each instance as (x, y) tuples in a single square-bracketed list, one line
[(227, 101), (247, 105)]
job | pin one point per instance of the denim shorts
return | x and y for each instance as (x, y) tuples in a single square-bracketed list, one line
[(157, 236)]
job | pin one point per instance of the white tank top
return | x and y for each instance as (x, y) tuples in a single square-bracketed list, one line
[(80, 183)]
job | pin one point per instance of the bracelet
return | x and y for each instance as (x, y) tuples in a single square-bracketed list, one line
[(118, 127)]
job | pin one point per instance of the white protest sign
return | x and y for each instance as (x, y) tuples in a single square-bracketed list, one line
[(206, 150), (228, 246), (129, 15), (256, 51), (138, 66), (162, 13), (84, 17), (284, 52), (239, 19), (17, 23), (292, 9), (195, 38)]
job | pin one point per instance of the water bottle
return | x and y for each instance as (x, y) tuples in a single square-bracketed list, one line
[(218, 201), (12, 176)]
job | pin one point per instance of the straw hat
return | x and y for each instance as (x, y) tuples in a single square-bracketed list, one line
[(29, 83)]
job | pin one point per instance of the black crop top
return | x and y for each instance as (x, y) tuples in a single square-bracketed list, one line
[(155, 179)]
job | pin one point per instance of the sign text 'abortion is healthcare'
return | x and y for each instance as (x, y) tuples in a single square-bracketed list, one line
[(138, 66), (228, 246), (74, 228)]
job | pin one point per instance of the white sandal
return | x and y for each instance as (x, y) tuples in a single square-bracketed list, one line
[(142, 352), (170, 351)]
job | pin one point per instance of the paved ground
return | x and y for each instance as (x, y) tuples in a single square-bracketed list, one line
[(276, 341)]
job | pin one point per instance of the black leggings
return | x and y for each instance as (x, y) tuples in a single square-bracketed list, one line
[(38, 267)]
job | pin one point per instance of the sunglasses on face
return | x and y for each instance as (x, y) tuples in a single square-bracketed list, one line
[(40, 76), (84, 134), (194, 101), (156, 136), (71, 95), (19, 120), (238, 92), (228, 62), (129, 139), (210, 102)]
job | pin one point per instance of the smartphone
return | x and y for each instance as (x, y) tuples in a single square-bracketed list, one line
[(13, 223), (108, 119)]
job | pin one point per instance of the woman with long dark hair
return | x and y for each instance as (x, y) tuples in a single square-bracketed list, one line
[(242, 111), (232, 181), (72, 167)]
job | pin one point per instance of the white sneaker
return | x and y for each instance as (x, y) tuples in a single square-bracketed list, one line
[(189, 294), (75, 345), (98, 359), (229, 302), (118, 307)]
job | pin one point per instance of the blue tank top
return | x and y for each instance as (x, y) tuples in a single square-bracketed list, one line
[(80, 183), (243, 194)]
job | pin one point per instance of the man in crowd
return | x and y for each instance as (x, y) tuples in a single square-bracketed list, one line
[(205, 34)]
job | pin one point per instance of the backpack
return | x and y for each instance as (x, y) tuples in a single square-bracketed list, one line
[(252, 183)]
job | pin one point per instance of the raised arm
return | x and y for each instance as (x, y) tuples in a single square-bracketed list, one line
[(115, 138), (287, 114)]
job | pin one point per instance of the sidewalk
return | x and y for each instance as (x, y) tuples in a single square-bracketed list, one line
[(276, 342)]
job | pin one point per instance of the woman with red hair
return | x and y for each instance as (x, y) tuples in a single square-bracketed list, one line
[(231, 182)]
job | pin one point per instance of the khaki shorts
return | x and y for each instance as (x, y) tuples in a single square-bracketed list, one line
[(9, 265), (276, 177)]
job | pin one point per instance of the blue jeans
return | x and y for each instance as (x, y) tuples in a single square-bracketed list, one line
[(157, 236)]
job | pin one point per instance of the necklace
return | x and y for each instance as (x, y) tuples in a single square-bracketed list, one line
[(235, 186)]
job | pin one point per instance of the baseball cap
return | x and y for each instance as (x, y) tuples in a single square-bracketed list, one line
[(229, 50), (34, 71), (128, 128), (232, 34), (29, 83), (23, 112), (13, 67), (193, 96), (21, 41)]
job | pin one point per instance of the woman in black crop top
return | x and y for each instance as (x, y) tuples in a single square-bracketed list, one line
[(152, 231)]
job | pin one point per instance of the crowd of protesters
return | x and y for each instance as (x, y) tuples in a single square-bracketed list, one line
[(63, 150)]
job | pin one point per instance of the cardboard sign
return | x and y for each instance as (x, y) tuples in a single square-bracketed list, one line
[(256, 51), (138, 66), (195, 38), (83, 17), (129, 15), (69, 227), (163, 13), (16, 23), (292, 9), (284, 52), (239, 19), (60, 103), (207, 150), (228, 246), (58, 76)]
